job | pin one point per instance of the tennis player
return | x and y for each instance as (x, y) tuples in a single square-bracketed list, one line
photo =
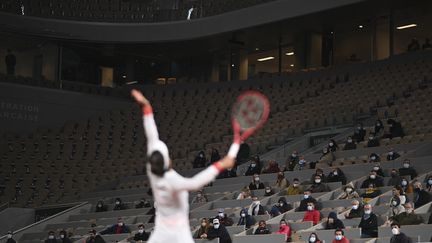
[(171, 190)]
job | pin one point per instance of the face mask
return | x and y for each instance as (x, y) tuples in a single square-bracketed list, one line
[(293, 155), (201, 155), (253, 165), (335, 173), (394, 203), (406, 165), (349, 190), (9, 236), (390, 153), (256, 178), (376, 168), (117, 203), (318, 181), (310, 208), (370, 138), (305, 196), (378, 124), (302, 161), (312, 239), (268, 191), (281, 204), (142, 231), (395, 231), (368, 211), (243, 215), (373, 158), (216, 226), (61, 236), (404, 183), (355, 207), (349, 140), (430, 181), (338, 237), (99, 205), (372, 177), (295, 185), (51, 237), (330, 144), (221, 215), (199, 195), (120, 224)]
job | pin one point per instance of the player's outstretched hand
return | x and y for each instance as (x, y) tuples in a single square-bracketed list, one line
[(227, 162), (139, 97)]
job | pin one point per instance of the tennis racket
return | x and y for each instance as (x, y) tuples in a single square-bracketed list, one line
[(249, 113)]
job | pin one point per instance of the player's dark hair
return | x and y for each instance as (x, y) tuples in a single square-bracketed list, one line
[(157, 163)]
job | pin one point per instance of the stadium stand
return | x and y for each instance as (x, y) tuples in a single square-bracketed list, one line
[(69, 164)]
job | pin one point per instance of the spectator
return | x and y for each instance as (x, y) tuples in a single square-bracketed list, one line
[(373, 141), (244, 194), (101, 207), (378, 130), (200, 160), (302, 163), (359, 133), (337, 175), (317, 186), (256, 208), (397, 201), (284, 229), (368, 223), (395, 179), (311, 214), (51, 237), (119, 228), (281, 181), (292, 161), (377, 168), (340, 237), (392, 155), (406, 186), (244, 154), (295, 188), (326, 156), (272, 167), (356, 210), (429, 183), (427, 44), (398, 236), (414, 45), (253, 168), (119, 204), (409, 217), (307, 198), (374, 158), (332, 146), (218, 231), (94, 237), (349, 192), (214, 157), (407, 169), (256, 184), (373, 179), (10, 61), (200, 197), (350, 144), (201, 233), (268, 191), (9, 237), (333, 222), (318, 172), (223, 218), (143, 203), (262, 228), (245, 219), (371, 192), (228, 173), (395, 129), (64, 237), (421, 197), (281, 207), (313, 238), (141, 235)]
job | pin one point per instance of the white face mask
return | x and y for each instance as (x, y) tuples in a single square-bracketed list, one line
[(370, 138), (142, 231), (349, 189), (406, 165), (253, 165), (294, 155), (9, 236), (256, 179), (394, 203), (61, 236), (199, 195), (302, 161), (335, 173), (221, 215), (430, 181), (378, 124), (404, 183), (305, 196), (330, 144), (310, 208), (355, 207), (368, 211), (390, 153), (268, 191), (317, 181), (373, 158), (349, 140), (51, 237), (312, 239), (120, 224), (295, 185), (243, 215), (338, 237), (117, 203), (201, 155), (216, 226), (372, 177), (281, 204), (395, 231), (376, 168)]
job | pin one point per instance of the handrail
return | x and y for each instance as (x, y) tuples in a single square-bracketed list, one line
[(46, 219), (4, 206)]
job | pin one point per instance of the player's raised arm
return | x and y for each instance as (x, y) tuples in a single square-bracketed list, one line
[(148, 118)]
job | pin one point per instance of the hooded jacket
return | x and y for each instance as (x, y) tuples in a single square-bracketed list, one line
[(337, 223)]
